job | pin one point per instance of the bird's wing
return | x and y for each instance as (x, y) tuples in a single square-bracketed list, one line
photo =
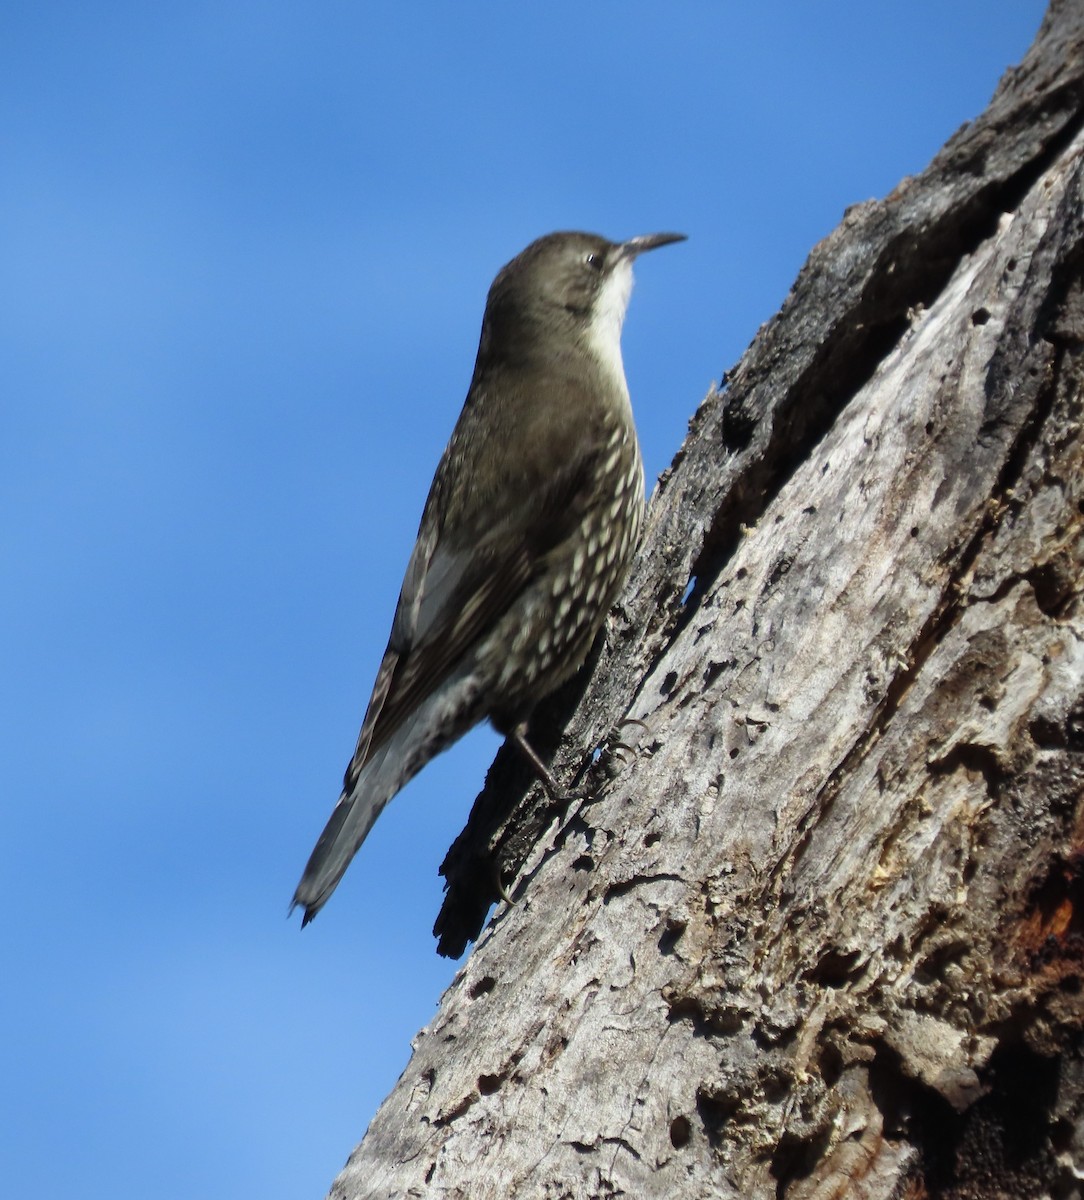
[(451, 597)]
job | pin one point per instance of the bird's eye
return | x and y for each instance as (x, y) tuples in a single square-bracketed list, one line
[(593, 260)]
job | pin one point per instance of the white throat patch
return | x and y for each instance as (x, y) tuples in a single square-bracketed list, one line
[(608, 315)]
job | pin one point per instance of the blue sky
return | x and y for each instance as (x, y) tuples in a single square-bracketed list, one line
[(245, 252)]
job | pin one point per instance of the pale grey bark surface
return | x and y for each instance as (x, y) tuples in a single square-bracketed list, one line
[(822, 934)]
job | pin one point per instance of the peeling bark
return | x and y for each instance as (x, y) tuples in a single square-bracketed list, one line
[(819, 929)]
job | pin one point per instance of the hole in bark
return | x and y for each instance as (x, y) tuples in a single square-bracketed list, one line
[(1074, 726), (712, 672), (776, 1082), (836, 968), (980, 760), (795, 1158), (584, 863), (738, 423), (779, 570), (715, 1110), (903, 1103), (1061, 1135), (980, 316), (1047, 733), (831, 1065), (671, 935), (1002, 1145), (488, 1084), (1054, 584), (652, 839), (484, 985), (667, 685), (932, 967), (680, 1132)]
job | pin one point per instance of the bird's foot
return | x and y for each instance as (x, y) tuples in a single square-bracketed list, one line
[(502, 891), (618, 751)]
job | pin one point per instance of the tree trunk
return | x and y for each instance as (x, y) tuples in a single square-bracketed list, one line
[(819, 929)]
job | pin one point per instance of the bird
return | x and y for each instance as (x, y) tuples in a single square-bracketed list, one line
[(526, 537)]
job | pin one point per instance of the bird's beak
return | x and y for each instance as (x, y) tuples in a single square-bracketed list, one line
[(648, 241)]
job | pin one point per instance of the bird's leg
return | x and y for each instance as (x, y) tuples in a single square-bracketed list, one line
[(518, 734)]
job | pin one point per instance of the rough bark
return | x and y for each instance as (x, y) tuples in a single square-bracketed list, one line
[(819, 929)]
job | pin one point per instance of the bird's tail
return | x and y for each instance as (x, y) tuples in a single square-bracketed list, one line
[(347, 827), (435, 725)]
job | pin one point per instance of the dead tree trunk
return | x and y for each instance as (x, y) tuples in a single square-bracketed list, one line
[(822, 934)]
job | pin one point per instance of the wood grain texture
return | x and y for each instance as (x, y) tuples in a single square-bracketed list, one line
[(819, 930)]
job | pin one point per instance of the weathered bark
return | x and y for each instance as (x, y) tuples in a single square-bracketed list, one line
[(822, 933)]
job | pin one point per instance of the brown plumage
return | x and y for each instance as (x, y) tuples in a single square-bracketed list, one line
[(526, 537)]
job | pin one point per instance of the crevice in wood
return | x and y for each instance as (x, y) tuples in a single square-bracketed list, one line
[(622, 887), (980, 760), (836, 968)]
